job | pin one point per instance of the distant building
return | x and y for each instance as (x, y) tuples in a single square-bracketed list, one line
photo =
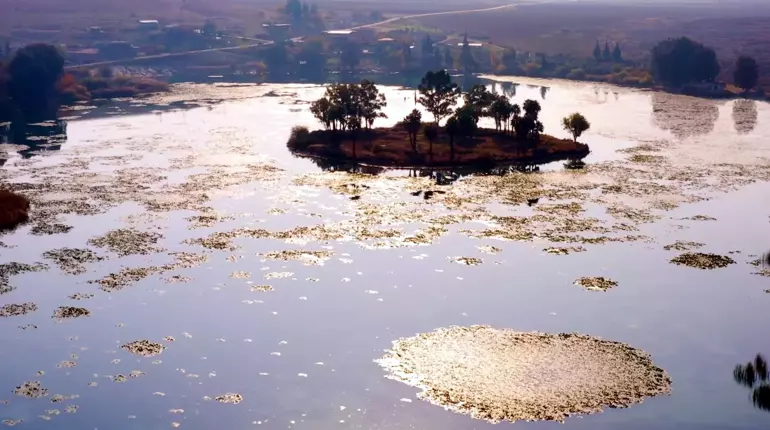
[(149, 24), (117, 49), (277, 32)]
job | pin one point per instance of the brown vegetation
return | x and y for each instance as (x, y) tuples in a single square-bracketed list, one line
[(14, 210), (390, 147)]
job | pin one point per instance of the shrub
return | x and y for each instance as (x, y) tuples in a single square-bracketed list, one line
[(299, 137), (577, 74), (14, 209)]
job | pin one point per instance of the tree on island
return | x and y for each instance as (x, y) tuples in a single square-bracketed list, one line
[(370, 102), (438, 94), (576, 124), (606, 54), (528, 127), (479, 99), (501, 110), (33, 73), (467, 120), (412, 124), (452, 129), (430, 131), (676, 62), (746, 73), (349, 106)]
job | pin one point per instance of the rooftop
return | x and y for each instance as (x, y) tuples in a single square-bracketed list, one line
[(339, 32)]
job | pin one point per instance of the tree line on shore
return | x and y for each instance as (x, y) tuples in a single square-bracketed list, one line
[(34, 84), (346, 108)]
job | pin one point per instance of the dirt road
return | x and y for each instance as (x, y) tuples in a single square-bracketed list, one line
[(422, 15)]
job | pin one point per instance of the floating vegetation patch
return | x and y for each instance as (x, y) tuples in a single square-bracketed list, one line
[(72, 260), (467, 261), (596, 283), (126, 277), (262, 288), (564, 251), (127, 241), (42, 229), (66, 364), (647, 159), (487, 249), (633, 214), (177, 279), (700, 218), (562, 209), (505, 375), (31, 390), (681, 245), (307, 257), (15, 310), (13, 268), (11, 423), (703, 261), (233, 398), (81, 296), (207, 220), (278, 275), (240, 275), (70, 312), (144, 348)]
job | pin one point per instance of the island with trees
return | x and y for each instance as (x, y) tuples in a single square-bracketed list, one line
[(348, 112)]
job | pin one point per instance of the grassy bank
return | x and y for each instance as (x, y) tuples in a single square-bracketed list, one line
[(390, 147)]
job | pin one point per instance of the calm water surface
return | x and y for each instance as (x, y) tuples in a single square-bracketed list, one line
[(696, 324)]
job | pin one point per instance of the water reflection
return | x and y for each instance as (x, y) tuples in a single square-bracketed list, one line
[(439, 173), (684, 116), (754, 375), (744, 116), (33, 138), (543, 92)]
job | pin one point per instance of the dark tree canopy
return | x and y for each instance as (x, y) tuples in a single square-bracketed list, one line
[(681, 61), (33, 73), (438, 94), (746, 73)]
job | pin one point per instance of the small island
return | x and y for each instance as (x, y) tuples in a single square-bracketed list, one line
[(348, 111)]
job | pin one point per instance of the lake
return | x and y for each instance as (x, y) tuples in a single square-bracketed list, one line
[(196, 217)]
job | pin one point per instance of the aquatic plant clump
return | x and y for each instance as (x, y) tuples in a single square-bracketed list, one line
[(703, 261), (13, 309), (72, 260), (681, 245), (596, 283), (127, 242), (233, 398), (31, 390), (144, 348), (70, 312), (506, 375)]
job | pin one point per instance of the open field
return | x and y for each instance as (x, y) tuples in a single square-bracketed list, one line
[(573, 28)]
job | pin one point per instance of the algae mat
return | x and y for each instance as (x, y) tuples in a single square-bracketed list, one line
[(501, 374)]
